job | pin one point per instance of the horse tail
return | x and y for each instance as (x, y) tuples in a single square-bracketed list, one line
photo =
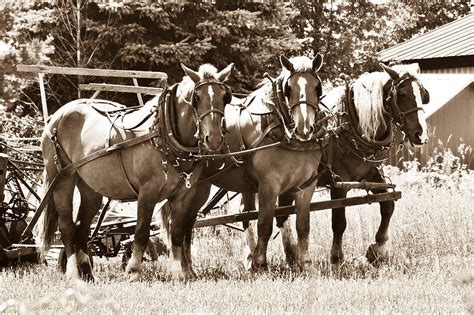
[(50, 220), (50, 216), (166, 221)]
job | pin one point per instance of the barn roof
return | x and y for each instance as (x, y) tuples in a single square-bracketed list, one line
[(450, 40), (442, 88)]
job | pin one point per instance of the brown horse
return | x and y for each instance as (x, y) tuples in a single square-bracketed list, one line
[(286, 108), (366, 113), (186, 118)]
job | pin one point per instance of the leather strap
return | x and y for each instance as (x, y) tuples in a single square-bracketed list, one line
[(274, 124)]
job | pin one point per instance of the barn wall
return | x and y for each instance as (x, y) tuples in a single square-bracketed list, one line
[(450, 124), (459, 70)]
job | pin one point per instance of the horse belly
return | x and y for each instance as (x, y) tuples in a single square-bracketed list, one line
[(283, 170), (235, 180)]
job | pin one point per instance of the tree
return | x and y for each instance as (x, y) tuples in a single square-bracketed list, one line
[(351, 33), (157, 37)]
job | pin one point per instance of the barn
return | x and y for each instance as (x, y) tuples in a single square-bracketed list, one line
[(445, 56)]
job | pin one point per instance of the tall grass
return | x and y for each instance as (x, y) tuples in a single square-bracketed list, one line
[(430, 269)]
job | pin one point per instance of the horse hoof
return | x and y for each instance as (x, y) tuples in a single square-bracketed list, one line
[(290, 255), (190, 275), (88, 277), (259, 266), (133, 276), (376, 254), (337, 259), (247, 261), (306, 265)]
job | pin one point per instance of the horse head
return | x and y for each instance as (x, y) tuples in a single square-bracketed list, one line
[(407, 95), (302, 89), (209, 96)]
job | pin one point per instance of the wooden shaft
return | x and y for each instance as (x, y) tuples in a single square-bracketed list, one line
[(363, 185), (287, 210)]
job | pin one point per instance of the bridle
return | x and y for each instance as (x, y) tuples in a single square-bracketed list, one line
[(199, 117), (319, 91), (392, 99), (284, 109)]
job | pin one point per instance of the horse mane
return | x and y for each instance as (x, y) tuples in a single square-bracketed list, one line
[(368, 102), (206, 71), (412, 69)]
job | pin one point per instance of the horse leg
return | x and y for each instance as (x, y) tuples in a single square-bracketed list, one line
[(338, 227), (287, 238), (378, 250), (183, 215), (90, 204), (302, 204), (145, 206), (199, 200), (63, 198), (248, 200), (267, 198)]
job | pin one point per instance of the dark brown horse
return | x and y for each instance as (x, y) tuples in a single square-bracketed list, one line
[(286, 108), (187, 118), (374, 104)]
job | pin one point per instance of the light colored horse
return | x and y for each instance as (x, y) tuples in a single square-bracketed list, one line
[(188, 118)]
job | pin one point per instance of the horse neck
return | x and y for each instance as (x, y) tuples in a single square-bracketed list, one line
[(184, 116)]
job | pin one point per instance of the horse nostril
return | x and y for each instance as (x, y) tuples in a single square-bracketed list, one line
[(418, 134), (311, 129)]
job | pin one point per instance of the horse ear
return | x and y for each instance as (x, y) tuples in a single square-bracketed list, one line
[(425, 98), (392, 73), (191, 73), (224, 74), (286, 63), (317, 62)]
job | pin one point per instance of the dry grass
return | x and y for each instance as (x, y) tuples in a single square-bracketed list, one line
[(430, 269)]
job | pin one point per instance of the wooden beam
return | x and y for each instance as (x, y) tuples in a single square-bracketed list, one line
[(92, 72), (287, 210), (363, 185), (120, 88)]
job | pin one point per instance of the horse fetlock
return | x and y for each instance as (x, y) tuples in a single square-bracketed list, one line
[(337, 255), (259, 263), (247, 258), (305, 263), (133, 267), (290, 253)]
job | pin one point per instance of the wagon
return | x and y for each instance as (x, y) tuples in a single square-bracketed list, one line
[(114, 237)]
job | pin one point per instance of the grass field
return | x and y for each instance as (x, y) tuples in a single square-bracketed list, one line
[(430, 270)]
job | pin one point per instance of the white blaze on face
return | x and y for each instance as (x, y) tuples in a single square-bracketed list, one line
[(210, 91), (421, 114), (302, 82)]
